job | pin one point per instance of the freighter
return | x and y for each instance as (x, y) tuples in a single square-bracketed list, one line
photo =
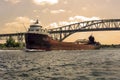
[(37, 38)]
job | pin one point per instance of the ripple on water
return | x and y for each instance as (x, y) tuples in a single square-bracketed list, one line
[(60, 65)]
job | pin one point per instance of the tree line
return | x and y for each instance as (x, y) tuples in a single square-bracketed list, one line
[(10, 43)]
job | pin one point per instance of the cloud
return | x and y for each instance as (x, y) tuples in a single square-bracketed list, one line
[(17, 25), (84, 8), (108, 0), (59, 24), (57, 11), (43, 2), (13, 1), (45, 10), (53, 25), (72, 20), (65, 2), (83, 18)]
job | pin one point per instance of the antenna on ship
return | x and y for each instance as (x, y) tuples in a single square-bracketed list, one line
[(37, 21), (24, 26)]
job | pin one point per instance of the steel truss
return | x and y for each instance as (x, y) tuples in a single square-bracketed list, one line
[(95, 25)]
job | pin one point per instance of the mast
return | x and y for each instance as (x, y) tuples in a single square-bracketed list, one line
[(37, 22)]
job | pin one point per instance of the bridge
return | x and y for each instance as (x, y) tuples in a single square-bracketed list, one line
[(95, 25), (63, 32), (18, 36)]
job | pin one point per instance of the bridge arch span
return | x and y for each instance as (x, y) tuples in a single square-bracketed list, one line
[(63, 32)]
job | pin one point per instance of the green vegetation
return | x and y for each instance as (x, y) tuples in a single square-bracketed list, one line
[(104, 46), (110, 46), (11, 44)]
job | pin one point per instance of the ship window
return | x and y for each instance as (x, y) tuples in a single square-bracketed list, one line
[(31, 30), (37, 29), (43, 30)]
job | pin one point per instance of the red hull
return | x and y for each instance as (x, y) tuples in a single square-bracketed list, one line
[(44, 42)]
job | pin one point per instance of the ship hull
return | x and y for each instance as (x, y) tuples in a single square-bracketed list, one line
[(35, 41)]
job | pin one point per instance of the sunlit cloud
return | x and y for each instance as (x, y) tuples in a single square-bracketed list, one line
[(57, 11), (83, 18), (84, 8), (72, 20), (13, 1), (60, 24), (35, 11), (19, 24), (53, 25), (45, 10), (65, 2), (43, 2)]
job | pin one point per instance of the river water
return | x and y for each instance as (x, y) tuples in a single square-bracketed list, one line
[(101, 64)]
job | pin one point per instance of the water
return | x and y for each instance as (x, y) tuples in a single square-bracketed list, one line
[(60, 65)]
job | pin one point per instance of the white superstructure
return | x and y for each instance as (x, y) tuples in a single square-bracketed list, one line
[(37, 28)]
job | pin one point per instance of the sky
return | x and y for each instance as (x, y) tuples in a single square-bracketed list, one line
[(15, 15)]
